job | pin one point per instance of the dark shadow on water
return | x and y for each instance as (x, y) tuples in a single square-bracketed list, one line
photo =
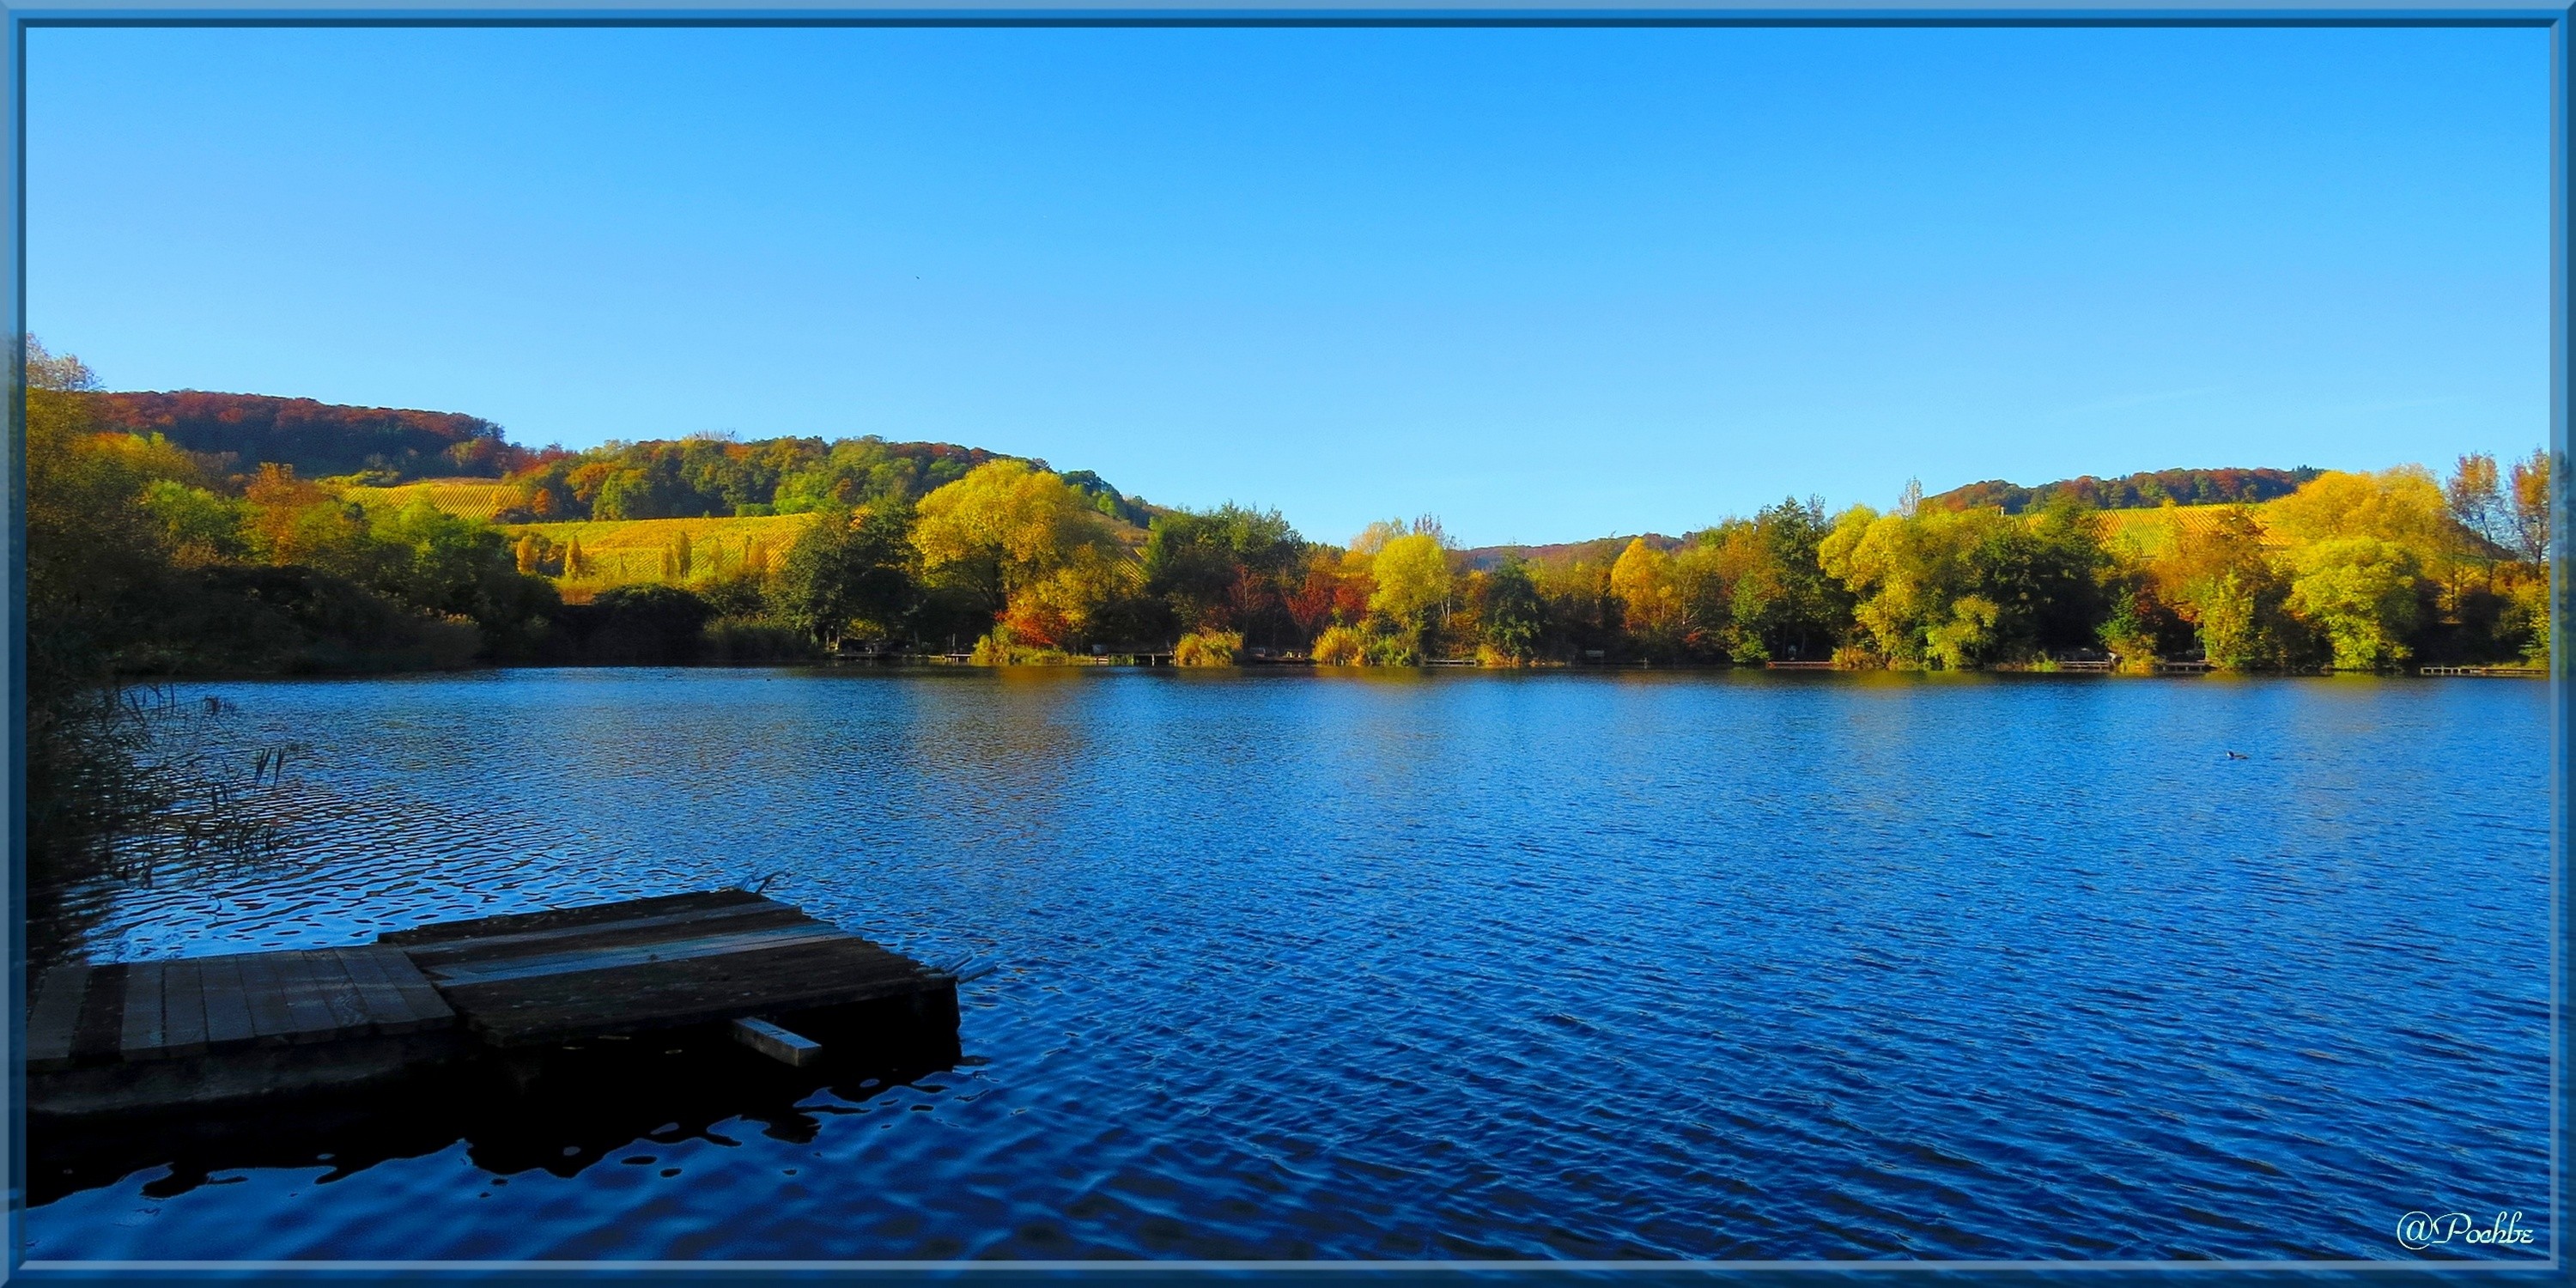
[(562, 1110)]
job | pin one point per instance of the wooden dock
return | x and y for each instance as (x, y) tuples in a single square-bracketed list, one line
[(143, 1035)]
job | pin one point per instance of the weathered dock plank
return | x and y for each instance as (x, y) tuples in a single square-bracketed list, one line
[(265, 995), (162, 1010), (527, 978), (50, 1023), (611, 957), (424, 1002), (782, 1045), (183, 1007), (339, 993), (141, 1030), (101, 1027), (674, 906), (228, 1020), (389, 1008), (666, 994), (761, 914), (308, 1018)]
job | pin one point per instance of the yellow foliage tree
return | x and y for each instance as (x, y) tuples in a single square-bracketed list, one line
[(2530, 503), (2403, 505), (2360, 591), (1022, 540), (1941, 588), (1643, 579), (1374, 537), (1412, 574)]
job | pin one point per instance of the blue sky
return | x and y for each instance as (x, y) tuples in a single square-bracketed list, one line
[(1543, 284)]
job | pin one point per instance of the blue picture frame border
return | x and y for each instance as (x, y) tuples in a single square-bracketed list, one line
[(19, 19)]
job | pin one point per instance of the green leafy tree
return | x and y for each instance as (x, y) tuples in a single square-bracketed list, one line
[(1512, 619), (2223, 581), (1964, 588), (2361, 591), (851, 572), (1228, 567), (1781, 603), (98, 582)]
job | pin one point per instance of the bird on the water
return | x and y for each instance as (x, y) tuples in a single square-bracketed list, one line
[(2238, 755)]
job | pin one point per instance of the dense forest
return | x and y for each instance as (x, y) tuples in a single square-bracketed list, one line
[(2158, 487), (710, 476), (228, 434)]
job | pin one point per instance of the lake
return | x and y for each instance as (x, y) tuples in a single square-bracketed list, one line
[(1559, 965)]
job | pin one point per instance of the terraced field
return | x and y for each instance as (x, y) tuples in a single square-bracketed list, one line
[(465, 498), (623, 551), (614, 552), (2152, 532)]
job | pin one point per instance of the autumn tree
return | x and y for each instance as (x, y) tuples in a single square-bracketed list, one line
[(2360, 591), (2531, 506), (97, 584), (2221, 578), (2475, 496), (1231, 567), (1649, 596), (1968, 588), (1413, 582), (1018, 541), (2401, 505)]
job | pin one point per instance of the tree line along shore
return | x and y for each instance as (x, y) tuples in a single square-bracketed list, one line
[(159, 558)]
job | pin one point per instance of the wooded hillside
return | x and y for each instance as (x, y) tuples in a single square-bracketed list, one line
[(234, 433)]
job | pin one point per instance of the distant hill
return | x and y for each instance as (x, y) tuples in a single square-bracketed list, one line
[(239, 431), (2132, 491), (1598, 550), (460, 462)]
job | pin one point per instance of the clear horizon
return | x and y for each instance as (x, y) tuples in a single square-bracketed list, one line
[(1545, 284)]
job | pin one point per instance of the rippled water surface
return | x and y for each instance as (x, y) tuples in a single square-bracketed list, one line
[(1444, 966)]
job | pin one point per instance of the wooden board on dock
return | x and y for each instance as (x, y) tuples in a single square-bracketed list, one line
[(162, 1010), (528, 978)]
